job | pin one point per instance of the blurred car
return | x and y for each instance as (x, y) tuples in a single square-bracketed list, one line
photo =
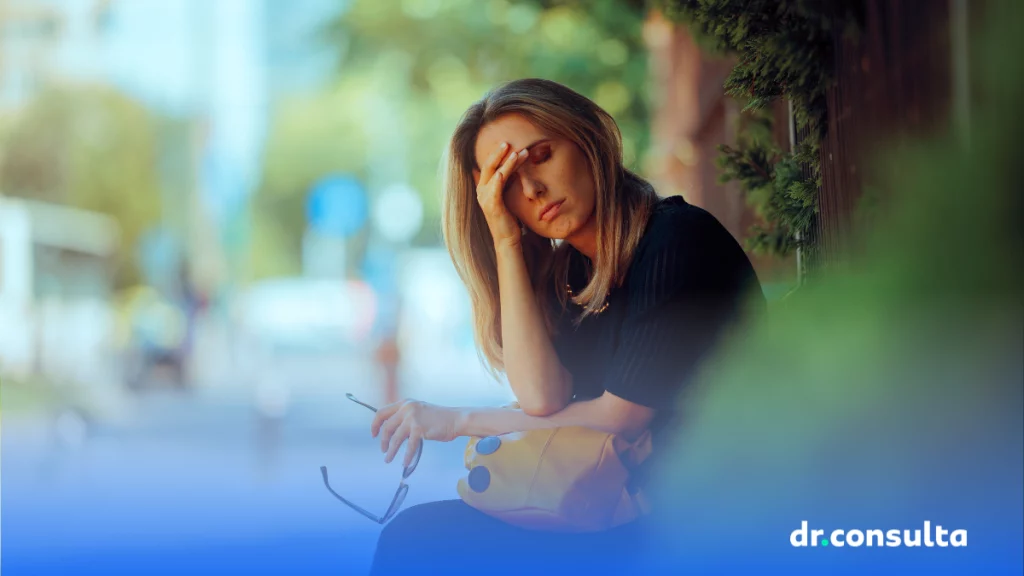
[(302, 336), (305, 314)]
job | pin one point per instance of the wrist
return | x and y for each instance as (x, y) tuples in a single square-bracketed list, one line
[(508, 246), (462, 421)]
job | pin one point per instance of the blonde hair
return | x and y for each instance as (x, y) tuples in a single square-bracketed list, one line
[(623, 201)]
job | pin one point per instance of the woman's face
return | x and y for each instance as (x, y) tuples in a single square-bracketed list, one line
[(552, 192)]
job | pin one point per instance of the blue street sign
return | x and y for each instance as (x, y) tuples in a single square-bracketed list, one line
[(337, 206)]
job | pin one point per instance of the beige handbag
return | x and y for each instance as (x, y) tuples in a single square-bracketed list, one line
[(570, 479)]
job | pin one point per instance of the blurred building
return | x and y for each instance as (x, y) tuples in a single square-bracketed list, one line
[(38, 43), (55, 284), (300, 57), (212, 71)]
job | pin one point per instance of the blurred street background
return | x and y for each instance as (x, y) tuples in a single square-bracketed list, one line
[(216, 219), (219, 217)]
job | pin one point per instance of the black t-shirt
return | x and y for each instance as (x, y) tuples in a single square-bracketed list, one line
[(687, 281)]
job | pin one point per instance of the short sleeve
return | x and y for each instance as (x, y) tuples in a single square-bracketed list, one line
[(680, 293), (576, 344)]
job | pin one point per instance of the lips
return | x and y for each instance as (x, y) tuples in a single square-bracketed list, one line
[(549, 211)]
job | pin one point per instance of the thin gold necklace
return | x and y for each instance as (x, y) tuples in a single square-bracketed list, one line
[(568, 289)]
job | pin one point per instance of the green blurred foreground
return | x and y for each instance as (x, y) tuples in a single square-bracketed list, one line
[(892, 389)]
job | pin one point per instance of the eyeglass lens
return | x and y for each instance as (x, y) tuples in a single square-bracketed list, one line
[(403, 488), (408, 470), (396, 503)]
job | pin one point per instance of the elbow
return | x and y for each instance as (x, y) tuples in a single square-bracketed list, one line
[(553, 401), (541, 408)]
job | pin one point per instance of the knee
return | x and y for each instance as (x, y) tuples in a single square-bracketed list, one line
[(410, 528), (415, 538)]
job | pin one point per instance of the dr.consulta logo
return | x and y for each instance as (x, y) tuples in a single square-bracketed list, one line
[(927, 537)]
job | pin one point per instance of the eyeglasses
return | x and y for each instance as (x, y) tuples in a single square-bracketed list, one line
[(403, 488)]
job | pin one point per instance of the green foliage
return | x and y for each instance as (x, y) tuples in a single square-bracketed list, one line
[(411, 68), (783, 50), (91, 148), (21, 395), (777, 186)]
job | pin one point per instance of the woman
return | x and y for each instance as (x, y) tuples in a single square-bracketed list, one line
[(594, 296)]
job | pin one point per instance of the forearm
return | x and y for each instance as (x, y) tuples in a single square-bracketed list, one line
[(498, 421), (534, 371), (607, 414)]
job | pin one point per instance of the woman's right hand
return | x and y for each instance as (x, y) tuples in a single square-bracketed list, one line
[(490, 194)]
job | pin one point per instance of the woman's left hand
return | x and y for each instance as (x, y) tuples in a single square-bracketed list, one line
[(414, 421)]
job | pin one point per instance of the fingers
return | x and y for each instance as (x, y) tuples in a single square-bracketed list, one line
[(510, 163), (395, 424), (388, 429), (509, 166), (382, 415), (487, 170), (415, 440), (396, 441)]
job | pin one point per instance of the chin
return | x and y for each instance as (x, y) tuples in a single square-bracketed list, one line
[(564, 231), (548, 235), (562, 227), (570, 227), (556, 231)]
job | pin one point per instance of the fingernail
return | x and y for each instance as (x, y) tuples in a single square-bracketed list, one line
[(504, 145), (524, 152)]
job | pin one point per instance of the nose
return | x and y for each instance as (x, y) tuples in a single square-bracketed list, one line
[(532, 189)]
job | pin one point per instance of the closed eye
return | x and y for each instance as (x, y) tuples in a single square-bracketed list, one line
[(540, 154)]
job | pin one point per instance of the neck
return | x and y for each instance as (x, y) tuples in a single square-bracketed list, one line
[(585, 239)]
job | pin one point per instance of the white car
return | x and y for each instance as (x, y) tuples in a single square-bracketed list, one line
[(304, 314), (298, 336)]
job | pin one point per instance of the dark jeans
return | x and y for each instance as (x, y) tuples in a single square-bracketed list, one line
[(450, 537)]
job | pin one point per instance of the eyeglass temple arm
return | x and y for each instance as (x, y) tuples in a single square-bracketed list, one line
[(352, 397), (352, 505)]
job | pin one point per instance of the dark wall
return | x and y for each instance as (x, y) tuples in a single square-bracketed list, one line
[(896, 80)]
